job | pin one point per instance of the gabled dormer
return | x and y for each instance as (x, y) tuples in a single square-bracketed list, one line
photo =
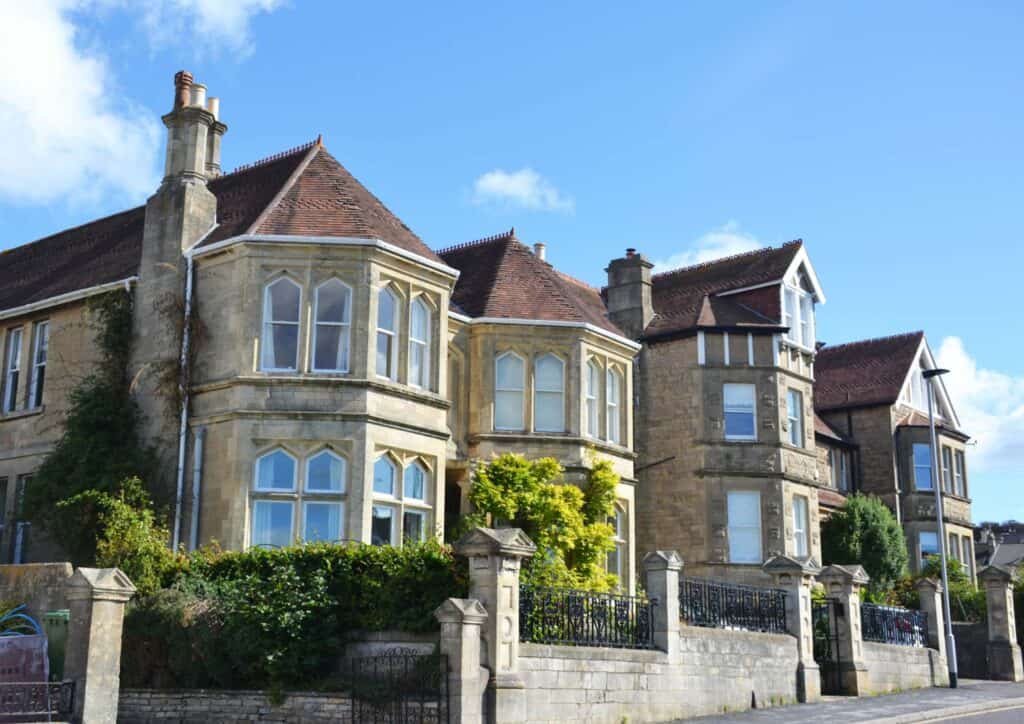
[(914, 391)]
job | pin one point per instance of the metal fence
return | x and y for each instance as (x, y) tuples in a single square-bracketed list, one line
[(30, 702), (717, 604), (583, 618), (398, 687), (893, 625)]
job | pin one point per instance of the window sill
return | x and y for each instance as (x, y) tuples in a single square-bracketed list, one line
[(19, 414)]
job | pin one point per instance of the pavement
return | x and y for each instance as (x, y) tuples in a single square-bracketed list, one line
[(973, 702)]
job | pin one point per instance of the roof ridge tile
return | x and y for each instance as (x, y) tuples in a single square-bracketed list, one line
[(731, 257), (318, 141), (505, 235), (873, 340)]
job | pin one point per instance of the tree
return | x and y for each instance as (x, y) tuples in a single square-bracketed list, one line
[(569, 524), (865, 531), (100, 445)]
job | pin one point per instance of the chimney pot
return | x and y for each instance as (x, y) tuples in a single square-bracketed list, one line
[(182, 88), (540, 251), (213, 106), (199, 95), (630, 253)]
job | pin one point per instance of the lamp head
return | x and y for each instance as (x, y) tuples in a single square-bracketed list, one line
[(928, 374)]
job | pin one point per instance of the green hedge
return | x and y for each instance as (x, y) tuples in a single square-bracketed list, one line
[(272, 618)]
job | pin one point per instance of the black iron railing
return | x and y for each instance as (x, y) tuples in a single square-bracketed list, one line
[(583, 618), (704, 602), (893, 625), (400, 685)]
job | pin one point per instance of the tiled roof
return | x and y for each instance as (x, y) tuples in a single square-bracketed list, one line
[(501, 277), (685, 298), (831, 498), (865, 373), (323, 200), (821, 427)]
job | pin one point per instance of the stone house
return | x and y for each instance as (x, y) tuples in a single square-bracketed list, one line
[(872, 395), (342, 375), (727, 463)]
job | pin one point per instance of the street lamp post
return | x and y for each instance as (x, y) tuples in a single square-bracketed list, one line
[(937, 487)]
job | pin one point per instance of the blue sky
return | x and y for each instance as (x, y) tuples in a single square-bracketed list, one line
[(887, 136)]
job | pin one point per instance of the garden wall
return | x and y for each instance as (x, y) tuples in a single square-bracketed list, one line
[(200, 706), (897, 668), (40, 586), (718, 670)]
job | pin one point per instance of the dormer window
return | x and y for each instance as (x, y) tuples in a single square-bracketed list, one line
[(798, 314)]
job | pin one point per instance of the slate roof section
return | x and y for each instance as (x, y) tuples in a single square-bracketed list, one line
[(685, 299), (501, 277), (304, 191), (863, 374)]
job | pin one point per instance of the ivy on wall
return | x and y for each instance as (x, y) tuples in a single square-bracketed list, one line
[(100, 446)]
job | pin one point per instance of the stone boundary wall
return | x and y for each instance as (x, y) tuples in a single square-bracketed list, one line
[(898, 668), (717, 671), (201, 706), (40, 586)]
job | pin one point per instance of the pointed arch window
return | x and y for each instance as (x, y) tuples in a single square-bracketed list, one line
[(593, 395), (387, 333), (549, 394), (273, 508), (419, 343), (613, 405), (332, 312), (282, 300), (509, 383), (401, 509)]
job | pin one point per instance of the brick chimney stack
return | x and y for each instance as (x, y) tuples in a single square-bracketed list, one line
[(629, 293)]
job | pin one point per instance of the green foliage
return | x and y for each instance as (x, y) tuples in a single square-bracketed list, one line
[(100, 445), (275, 618), (865, 531), (569, 524), (966, 601), (128, 535)]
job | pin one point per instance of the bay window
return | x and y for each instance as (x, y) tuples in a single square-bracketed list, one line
[(795, 414), (280, 343), (387, 333), (922, 453), (800, 517), (400, 512), (273, 513), (333, 321), (744, 526), (960, 474), (323, 511), (593, 393), (613, 406), (740, 414), (549, 394), (12, 369), (40, 352), (509, 383), (419, 344)]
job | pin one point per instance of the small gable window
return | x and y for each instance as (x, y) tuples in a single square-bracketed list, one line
[(798, 314), (280, 344), (333, 315)]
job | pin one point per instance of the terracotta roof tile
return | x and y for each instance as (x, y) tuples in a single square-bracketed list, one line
[(679, 295), (831, 498), (821, 427), (501, 277), (859, 374)]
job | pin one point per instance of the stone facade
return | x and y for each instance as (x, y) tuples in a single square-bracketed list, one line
[(141, 706), (898, 668)]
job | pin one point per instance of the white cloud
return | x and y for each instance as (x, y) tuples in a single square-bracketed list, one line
[(524, 188), (67, 131), (726, 240), (990, 405)]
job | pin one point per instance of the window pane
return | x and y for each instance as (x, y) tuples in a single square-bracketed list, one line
[(744, 516), (417, 353), (381, 525), (420, 322), (509, 373), (922, 466), (386, 305), (275, 471), (332, 302), (548, 374), (384, 477), (414, 526), (272, 523), (549, 412), (795, 411), (325, 472), (323, 522), (929, 545), (331, 352), (284, 346), (284, 301), (739, 411), (800, 515), (384, 342), (415, 482), (508, 410)]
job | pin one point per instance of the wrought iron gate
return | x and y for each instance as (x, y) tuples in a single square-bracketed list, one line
[(826, 645), (401, 686)]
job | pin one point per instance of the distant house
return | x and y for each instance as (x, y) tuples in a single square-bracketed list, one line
[(872, 394)]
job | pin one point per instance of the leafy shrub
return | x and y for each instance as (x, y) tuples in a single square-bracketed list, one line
[(865, 531), (966, 601), (273, 618)]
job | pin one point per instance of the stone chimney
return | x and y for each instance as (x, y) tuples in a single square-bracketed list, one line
[(193, 133), (629, 293)]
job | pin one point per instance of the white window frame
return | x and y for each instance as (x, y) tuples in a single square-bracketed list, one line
[(402, 504), (12, 367), (592, 399), (798, 316), (738, 409), (839, 460), (554, 425), (795, 417), (295, 472), (391, 373), (960, 473), (344, 326), (422, 345), (920, 546), (947, 469), (917, 468), (733, 526), (801, 526), (310, 496), (267, 330), (613, 405), (37, 377), (274, 495), (509, 391), (619, 522)]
